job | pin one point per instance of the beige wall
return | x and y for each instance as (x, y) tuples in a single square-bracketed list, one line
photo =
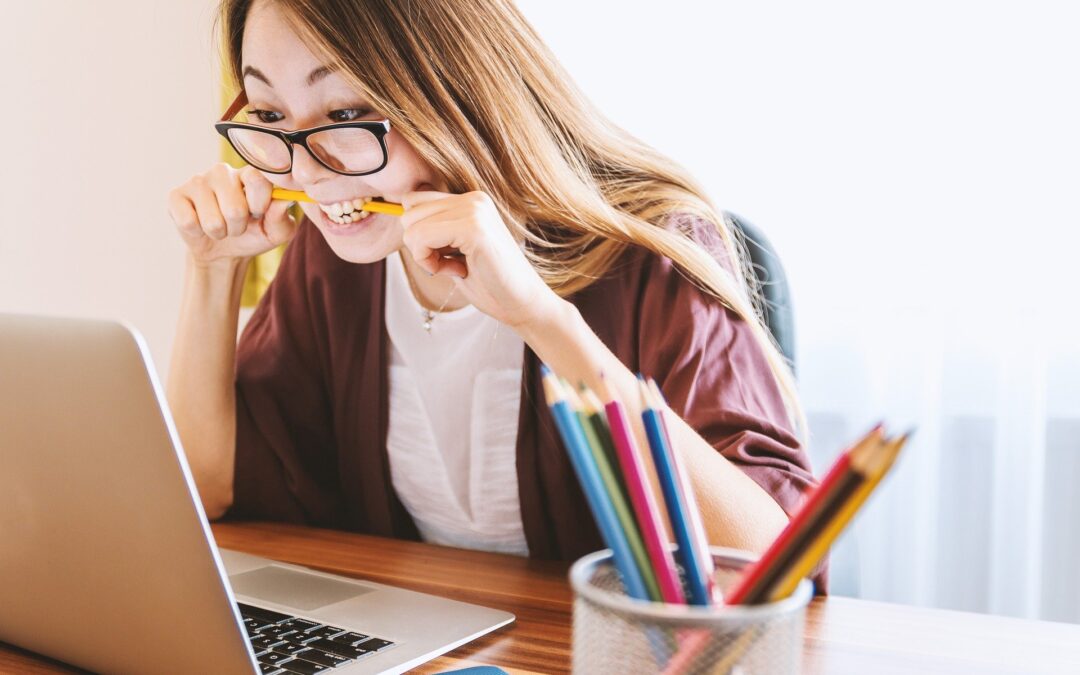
[(105, 106)]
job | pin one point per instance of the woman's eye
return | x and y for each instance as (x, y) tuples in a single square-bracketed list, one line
[(266, 116), (348, 114)]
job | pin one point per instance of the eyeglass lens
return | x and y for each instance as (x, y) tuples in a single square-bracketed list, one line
[(349, 149)]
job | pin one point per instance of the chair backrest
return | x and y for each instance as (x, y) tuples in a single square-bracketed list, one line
[(772, 284)]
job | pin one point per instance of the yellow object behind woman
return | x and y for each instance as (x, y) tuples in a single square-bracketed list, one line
[(261, 270)]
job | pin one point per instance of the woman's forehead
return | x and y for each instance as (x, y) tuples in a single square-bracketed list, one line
[(275, 59), (273, 49)]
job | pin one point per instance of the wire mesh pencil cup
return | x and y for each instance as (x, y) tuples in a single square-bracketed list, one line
[(614, 633)]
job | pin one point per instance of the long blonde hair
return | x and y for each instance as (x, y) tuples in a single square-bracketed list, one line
[(479, 96)]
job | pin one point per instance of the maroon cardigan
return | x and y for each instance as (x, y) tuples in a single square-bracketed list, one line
[(312, 396)]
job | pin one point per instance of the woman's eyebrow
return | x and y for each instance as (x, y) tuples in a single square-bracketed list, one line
[(257, 74), (318, 74), (313, 77)]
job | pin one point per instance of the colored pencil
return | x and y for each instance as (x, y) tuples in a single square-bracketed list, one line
[(372, 205), (754, 580), (678, 508), (592, 485), (697, 528), (831, 508), (597, 436), (642, 498), (594, 411), (875, 468)]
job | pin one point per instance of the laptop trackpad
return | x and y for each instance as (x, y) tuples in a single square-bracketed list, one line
[(293, 588)]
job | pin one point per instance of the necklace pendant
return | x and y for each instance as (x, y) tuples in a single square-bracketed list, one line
[(428, 318)]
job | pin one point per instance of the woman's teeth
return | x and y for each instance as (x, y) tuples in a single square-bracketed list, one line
[(345, 212)]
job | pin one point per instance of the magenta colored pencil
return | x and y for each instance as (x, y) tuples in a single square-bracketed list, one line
[(641, 497)]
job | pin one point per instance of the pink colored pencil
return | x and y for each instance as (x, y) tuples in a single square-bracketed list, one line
[(642, 500)]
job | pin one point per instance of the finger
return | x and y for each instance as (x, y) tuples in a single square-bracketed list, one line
[(278, 224), (444, 207), (183, 214), (232, 202), (417, 197), (428, 240), (206, 206), (257, 190), (452, 266)]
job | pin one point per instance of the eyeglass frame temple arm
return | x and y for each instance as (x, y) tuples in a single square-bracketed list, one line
[(240, 101)]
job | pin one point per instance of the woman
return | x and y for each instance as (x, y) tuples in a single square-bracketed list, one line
[(389, 380)]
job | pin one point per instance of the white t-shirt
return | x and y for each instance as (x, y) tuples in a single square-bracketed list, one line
[(455, 395)]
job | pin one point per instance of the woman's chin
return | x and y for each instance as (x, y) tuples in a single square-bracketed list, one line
[(366, 241), (356, 250)]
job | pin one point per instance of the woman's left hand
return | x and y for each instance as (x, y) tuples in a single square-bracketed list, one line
[(491, 271)]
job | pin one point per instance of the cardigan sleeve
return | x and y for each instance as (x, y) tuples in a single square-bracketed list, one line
[(285, 468), (714, 374)]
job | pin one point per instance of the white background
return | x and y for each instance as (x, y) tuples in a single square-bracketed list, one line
[(915, 164)]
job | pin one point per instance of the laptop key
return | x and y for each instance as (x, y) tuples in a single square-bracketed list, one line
[(339, 648), (350, 638), (322, 658), (301, 624), (276, 631), (274, 659), (267, 669), (304, 667), (254, 623), (264, 642), (299, 638), (326, 631), (375, 644), (290, 649), (267, 615)]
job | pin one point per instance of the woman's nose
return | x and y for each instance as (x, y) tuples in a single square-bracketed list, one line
[(305, 169)]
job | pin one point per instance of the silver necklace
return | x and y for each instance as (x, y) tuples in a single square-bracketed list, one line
[(427, 316)]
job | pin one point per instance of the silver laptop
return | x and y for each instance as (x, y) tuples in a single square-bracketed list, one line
[(106, 558)]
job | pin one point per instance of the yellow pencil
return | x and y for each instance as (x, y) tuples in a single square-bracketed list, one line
[(370, 205), (877, 468)]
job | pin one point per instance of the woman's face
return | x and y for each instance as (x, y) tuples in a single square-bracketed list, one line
[(289, 88)]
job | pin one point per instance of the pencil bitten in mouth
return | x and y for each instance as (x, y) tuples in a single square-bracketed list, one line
[(345, 212)]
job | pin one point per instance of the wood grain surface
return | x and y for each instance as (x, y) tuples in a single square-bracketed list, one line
[(843, 635)]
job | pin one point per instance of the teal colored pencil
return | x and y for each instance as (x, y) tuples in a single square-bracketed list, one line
[(592, 485)]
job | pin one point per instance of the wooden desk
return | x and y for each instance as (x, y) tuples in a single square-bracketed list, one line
[(842, 635)]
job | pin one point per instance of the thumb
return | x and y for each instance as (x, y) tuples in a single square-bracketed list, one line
[(278, 225)]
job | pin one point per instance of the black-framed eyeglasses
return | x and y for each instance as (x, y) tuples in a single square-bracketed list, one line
[(348, 148)]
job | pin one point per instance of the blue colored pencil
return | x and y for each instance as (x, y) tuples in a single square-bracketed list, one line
[(697, 581), (589, 476), (682, 480)]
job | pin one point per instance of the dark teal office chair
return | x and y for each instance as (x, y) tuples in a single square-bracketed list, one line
[(772, 283)]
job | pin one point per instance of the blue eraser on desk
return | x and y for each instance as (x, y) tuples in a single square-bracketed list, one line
[(477, 670)]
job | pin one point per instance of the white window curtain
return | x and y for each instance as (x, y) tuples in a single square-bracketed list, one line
[(917, 166), (982, 513)]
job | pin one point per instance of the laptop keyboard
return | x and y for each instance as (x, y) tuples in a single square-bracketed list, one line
[(287, 644)]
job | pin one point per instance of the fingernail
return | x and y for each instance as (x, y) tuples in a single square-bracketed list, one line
[(257, 216)]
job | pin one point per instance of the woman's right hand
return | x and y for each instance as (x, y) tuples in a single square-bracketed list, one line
[(227, 214)]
